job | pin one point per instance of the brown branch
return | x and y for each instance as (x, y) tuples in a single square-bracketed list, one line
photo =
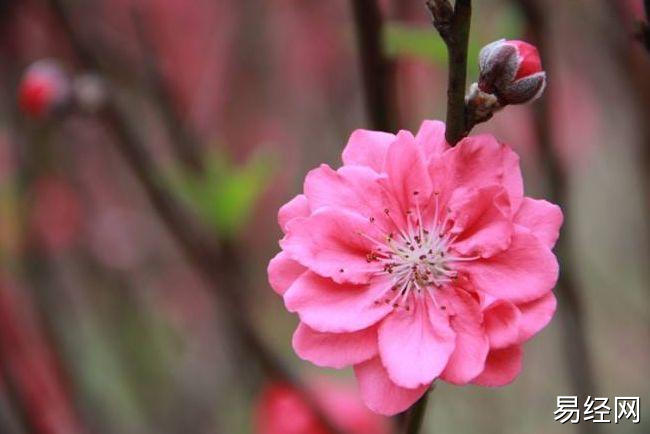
[(184, 142), (216, 260), (378, 71), (570, 306), (453, 25)]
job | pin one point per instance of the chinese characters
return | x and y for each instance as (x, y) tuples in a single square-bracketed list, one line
[(597, 410)]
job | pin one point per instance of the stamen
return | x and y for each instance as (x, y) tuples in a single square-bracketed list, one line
[(419, 260)]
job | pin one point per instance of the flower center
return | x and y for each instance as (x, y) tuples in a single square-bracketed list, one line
[(418, 260)]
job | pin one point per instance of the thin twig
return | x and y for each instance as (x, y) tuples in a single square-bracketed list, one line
[(216, 260), (571, 311), (453, 25), (378, 71), (415, 416)]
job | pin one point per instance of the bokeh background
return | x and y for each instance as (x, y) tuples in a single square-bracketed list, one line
[(107, 325)]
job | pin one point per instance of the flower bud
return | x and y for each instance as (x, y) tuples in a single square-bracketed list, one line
[(44, 88), (512, 71)]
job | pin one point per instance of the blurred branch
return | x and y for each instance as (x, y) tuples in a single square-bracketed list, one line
[(638, 73), (32, 373), (216, 260), (185, 143), (10, 395), (570, 303), (378, 71), (453, 23), (644, 30)]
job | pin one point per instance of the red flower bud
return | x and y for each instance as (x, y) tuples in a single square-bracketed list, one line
[(43, 89), (512, 71)]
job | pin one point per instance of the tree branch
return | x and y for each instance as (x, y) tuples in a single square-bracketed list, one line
[(378, 71), (184, 142), (453, 24)]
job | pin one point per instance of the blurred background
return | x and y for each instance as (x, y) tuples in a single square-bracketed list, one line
[(145, 147)]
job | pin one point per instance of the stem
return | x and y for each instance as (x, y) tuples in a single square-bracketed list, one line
[(378, 71), (457, 49), (453, 24), (416, 414), (570, 309)]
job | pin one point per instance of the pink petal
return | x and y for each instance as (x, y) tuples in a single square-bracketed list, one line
[(335, 350), (535, 315), (326, 306), (330, 242), (480, 160), (501, 367), (408, 177), (367, 148), (296, 207), (283, 271), (472, 345), (481, 219), (415, 345), (379, 393), (542, 218), (353, 188), (502, 324), (431, 138), (524, 272)]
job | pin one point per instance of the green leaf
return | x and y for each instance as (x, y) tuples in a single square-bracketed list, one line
[(225, 194), (402, 40)]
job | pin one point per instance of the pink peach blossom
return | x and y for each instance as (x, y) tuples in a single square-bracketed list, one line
[(417, 261)]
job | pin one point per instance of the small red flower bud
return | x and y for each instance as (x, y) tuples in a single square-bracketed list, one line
[(512, 71), (43, 89)]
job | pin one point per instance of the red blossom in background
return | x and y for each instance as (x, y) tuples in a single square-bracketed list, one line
[(44, 88), (282, 410)]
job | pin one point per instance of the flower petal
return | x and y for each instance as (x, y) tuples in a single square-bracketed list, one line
[(524, 272), (481, 220), (367, 148), (501, 367), (330, 242), (408, 177), (326, 306), (535, 315), (480, 160), (502, 324), (283, 271), (542, 218), (355, 188), (415, 345), (296, 207), (472, 345), (379, 393), (431, 138), (335, 350)]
